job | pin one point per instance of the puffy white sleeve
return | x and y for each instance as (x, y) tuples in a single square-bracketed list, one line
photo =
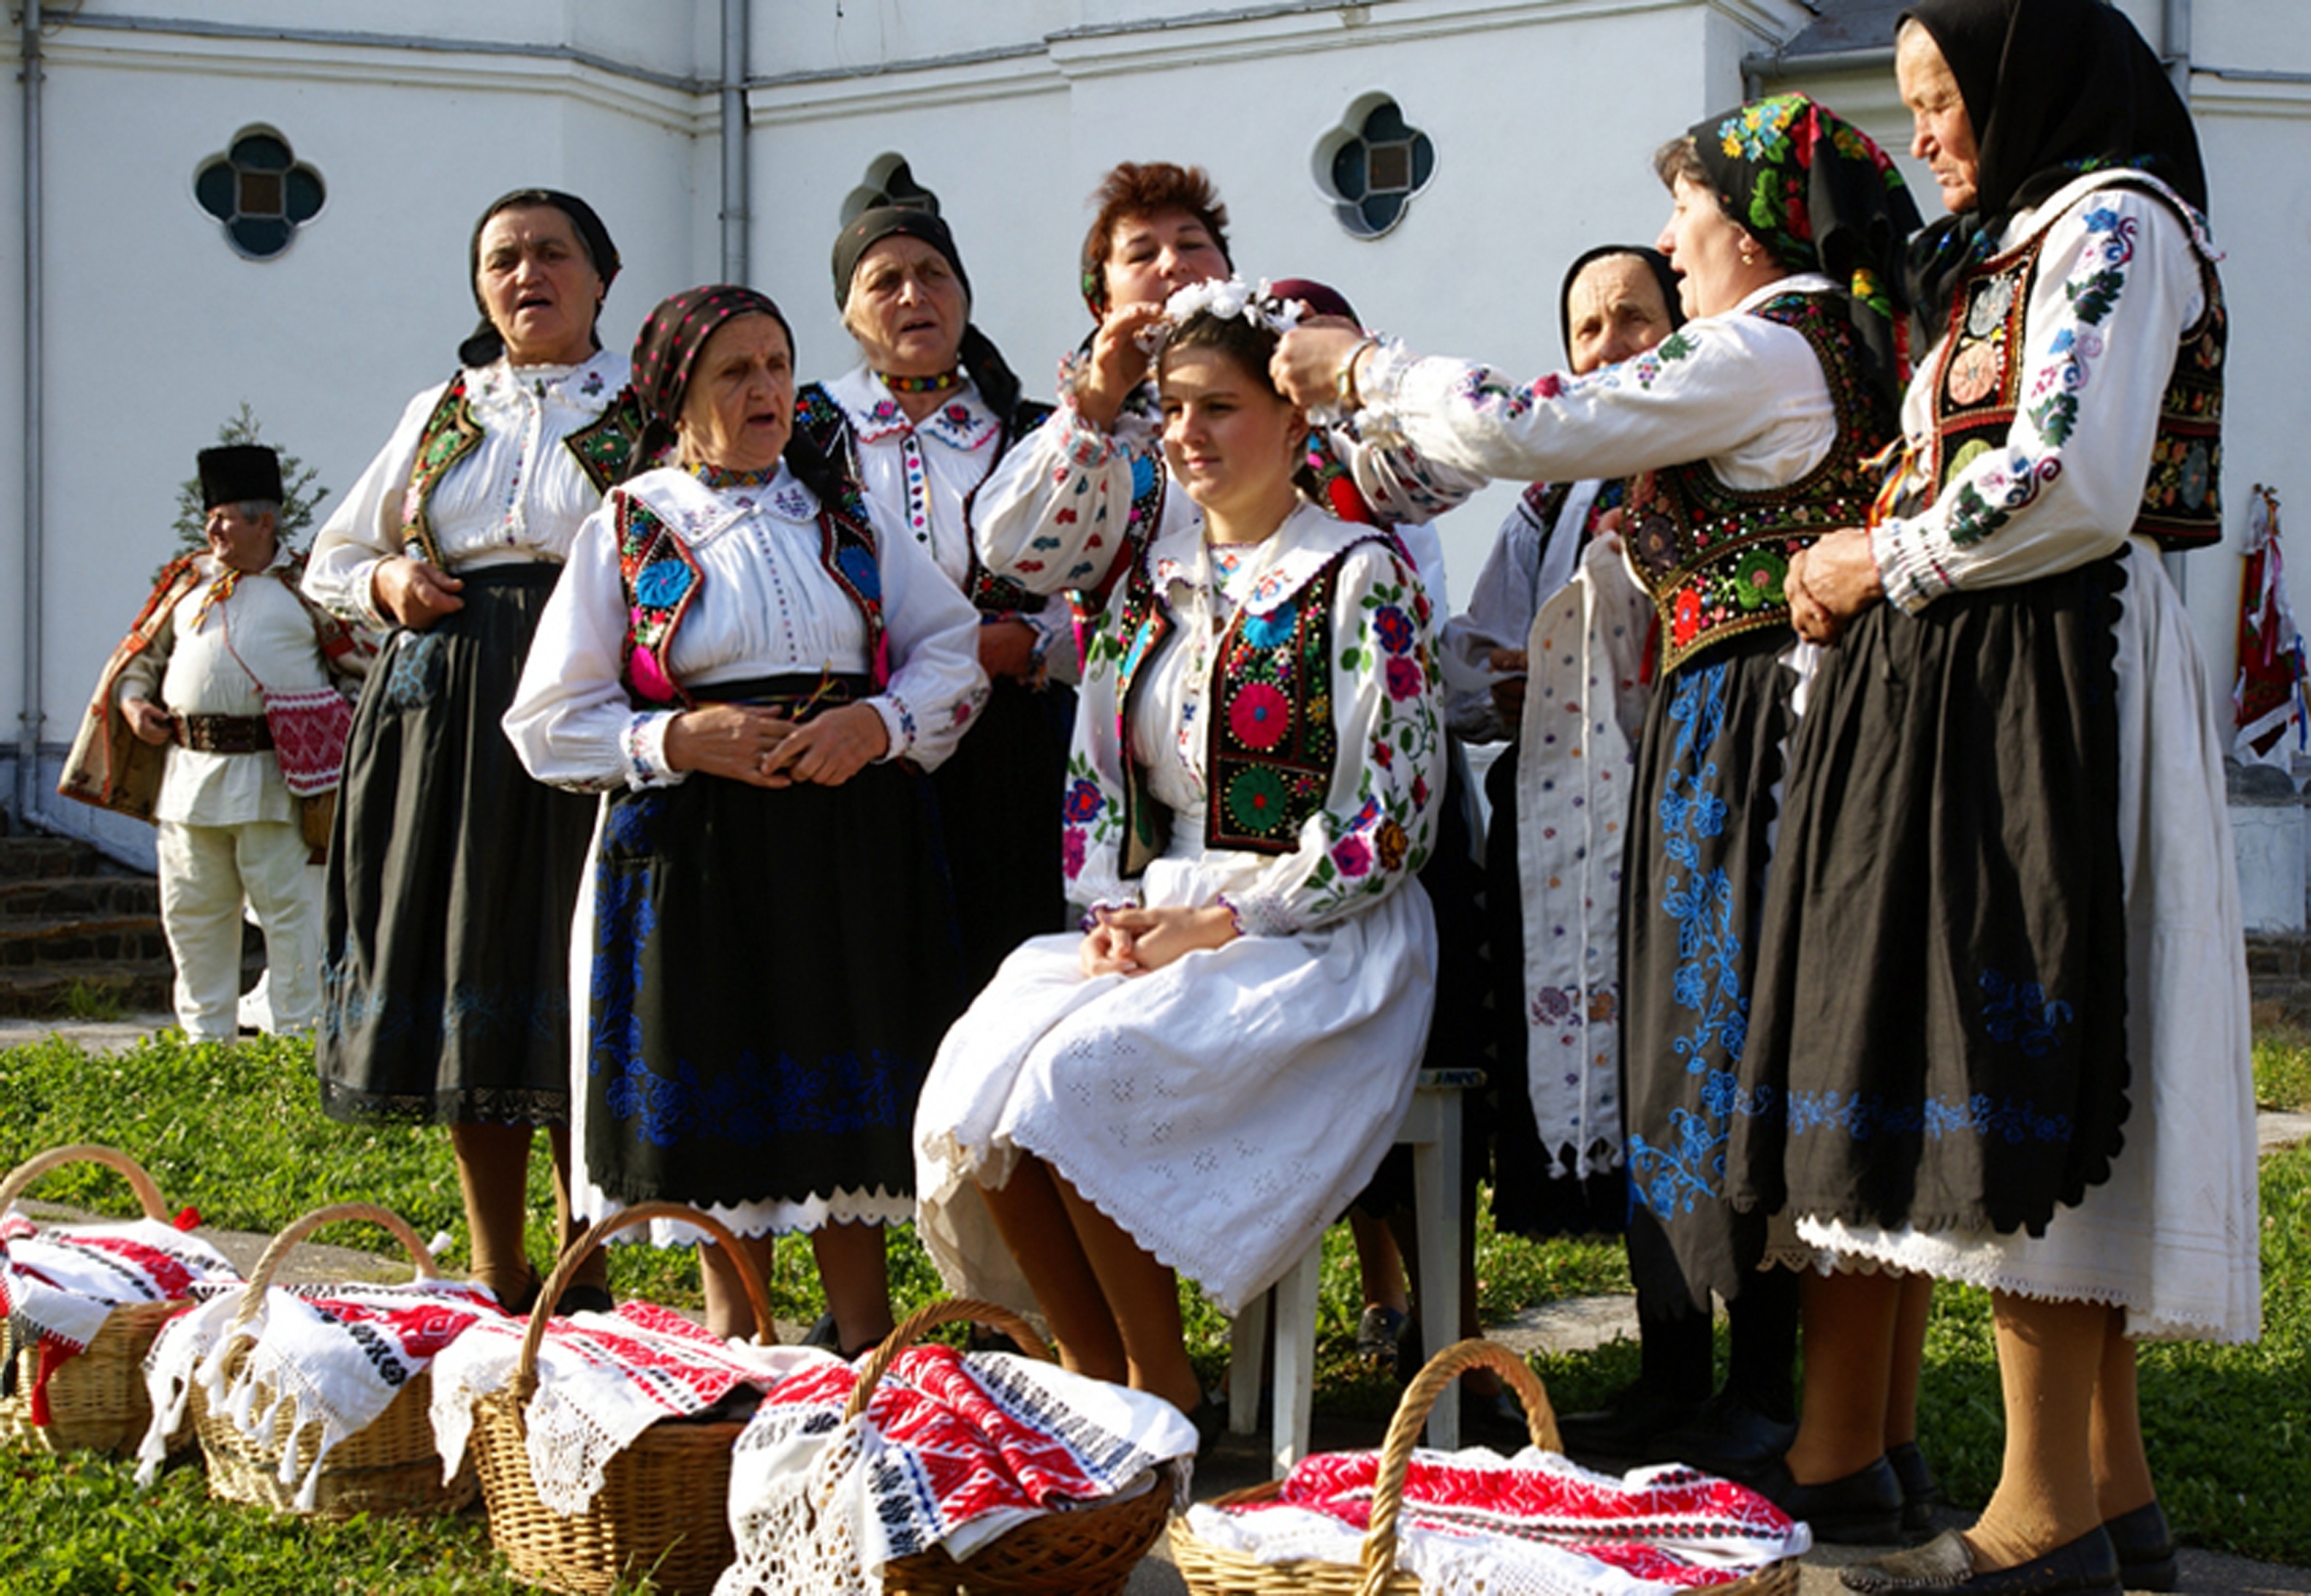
[(935, 684), (2117, 283), (1714, 388), (365, 529), (1054, 511), (572, 722), (1378, 822)]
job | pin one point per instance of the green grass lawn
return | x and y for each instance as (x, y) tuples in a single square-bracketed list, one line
[(236, 1133)]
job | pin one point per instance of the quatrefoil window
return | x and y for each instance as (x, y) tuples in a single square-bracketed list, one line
[(260, 191), (1373, 166)]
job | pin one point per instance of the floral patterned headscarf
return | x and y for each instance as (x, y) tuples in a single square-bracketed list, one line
[(1822, 196)]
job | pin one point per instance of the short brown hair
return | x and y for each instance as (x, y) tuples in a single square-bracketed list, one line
[(1680, 158), (1139, 189)]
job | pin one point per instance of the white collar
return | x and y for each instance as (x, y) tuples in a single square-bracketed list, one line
[(1803, 281), (961, 422), (700, 513), (1277, 568), (588, 387)]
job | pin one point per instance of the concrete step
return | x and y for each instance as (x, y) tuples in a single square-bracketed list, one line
[(28, 858), (27, 941), (50, 897), (63, 988)]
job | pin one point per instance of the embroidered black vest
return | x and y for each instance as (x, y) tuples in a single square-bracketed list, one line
[(661, 578), (822, 423), (603, 448), (1714, 558), (1978, 379), (1269, 742)]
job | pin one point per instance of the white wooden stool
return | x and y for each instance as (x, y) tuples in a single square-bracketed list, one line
[(1432, 1127)]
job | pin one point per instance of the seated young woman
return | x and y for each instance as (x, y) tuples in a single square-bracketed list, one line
[(1202, 1079)]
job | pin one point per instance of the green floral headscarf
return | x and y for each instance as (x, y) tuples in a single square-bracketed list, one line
[(1822, 196)]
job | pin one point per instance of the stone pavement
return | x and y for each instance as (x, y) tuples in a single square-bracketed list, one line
[(1574, 1325)]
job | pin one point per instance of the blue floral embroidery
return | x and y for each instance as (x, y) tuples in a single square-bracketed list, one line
[(2020, 1013), (416, 667), (757, 1100), (662, 584), (1273, 629), (859, 566), (1864, 1117), (1690, 1171)]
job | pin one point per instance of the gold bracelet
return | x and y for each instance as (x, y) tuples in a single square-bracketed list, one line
[(1344, 393)]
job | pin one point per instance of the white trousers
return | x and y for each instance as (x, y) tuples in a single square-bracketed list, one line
[(206, 871)]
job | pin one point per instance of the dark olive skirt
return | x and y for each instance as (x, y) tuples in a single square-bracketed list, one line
[(999, 795), (452, 877), (772, 971), (1940, 1031), (1709, 760)]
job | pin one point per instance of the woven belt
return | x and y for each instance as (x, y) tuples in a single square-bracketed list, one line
[(222, 733), (797, 697)]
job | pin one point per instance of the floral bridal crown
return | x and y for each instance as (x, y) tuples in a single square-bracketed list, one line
[(1226, 298)]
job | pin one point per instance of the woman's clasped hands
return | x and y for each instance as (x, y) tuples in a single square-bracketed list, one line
[(1831, 583), (763, 748), (1133, 941)]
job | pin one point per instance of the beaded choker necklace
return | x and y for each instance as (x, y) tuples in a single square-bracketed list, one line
[(721, 476), (945, 382)]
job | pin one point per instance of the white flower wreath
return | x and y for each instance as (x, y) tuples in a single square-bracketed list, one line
[(1225, 298)]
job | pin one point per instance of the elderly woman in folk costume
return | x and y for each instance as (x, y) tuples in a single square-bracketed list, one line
[(1068, 508), (452, 873), (2005, 997), (1203, 1076), (756, 673), (922, 421), (1747, 433)]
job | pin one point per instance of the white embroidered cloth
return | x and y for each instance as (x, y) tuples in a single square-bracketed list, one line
[(951, 1451), (1476, 1523), (602, 1380), (332, 1355), (59, 1284)]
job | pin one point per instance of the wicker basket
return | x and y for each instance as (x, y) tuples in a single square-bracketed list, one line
[(391, 1467), (664, 1506), (96, 1401), (1088, 1552), (1212, 1571)]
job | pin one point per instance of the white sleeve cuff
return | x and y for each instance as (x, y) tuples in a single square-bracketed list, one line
[(645, 752)]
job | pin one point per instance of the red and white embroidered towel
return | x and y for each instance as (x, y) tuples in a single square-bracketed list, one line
[(60, 1283), (602, 1380), (1535, 1525), (951, 1451), (334, 1356)]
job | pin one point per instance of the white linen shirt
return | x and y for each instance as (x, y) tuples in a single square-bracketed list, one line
[(518, 498), (258, 635), (2056, 497), (766, 606)]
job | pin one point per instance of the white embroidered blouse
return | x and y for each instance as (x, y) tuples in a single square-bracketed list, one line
[(517, 497), (2117, 283), (766, 606), (1378, 820)]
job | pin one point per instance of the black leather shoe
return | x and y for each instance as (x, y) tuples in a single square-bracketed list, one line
[(1863, 1509), (582, 1298), (2145, 1548), (1627, 1426), (1732, 1438), (2087, 1564), (1921, 1493)]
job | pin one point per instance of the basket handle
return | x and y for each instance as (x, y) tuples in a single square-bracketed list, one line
[(930, 1317), (21, 1179), (524, 1382), (254, 1294), (1411, 1417)]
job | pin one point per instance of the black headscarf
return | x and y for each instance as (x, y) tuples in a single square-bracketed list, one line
[(666, 355), (486, 343), (2052, 88), (1822, 196), (981, 361), (1658, 263)]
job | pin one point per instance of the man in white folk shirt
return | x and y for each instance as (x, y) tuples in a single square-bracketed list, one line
[(218, 718)]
